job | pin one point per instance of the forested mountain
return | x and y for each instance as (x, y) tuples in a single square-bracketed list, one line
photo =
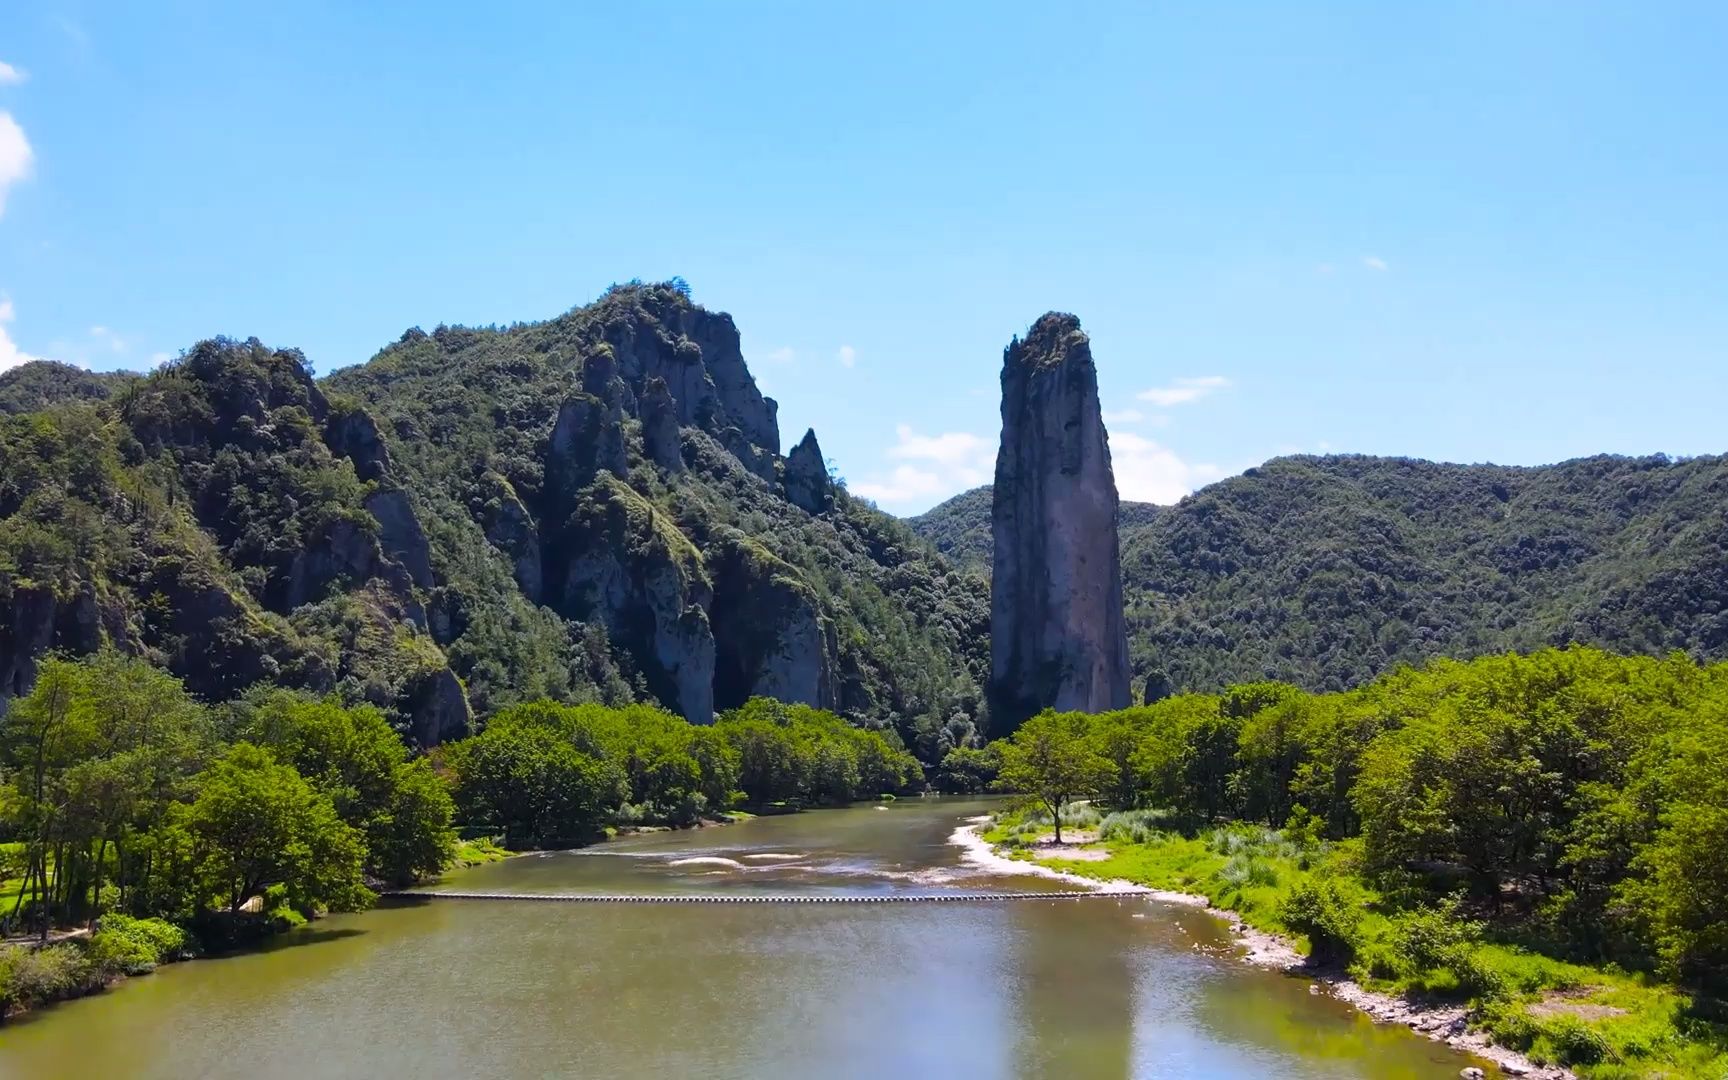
[(1326, 571), (596, 508), (42, 383), (589, 508)]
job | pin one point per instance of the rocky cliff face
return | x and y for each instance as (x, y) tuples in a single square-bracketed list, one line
[(773, 639), (1057, 635), (279, 546), (593, 507), (630, 569), (807, 484)]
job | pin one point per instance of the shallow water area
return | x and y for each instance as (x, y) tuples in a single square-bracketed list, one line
[(1116, 987)]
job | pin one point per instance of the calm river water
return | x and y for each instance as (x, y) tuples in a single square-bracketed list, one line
[(1099, 988)]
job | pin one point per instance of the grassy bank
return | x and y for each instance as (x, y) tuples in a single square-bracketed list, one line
[(1601, 1022)]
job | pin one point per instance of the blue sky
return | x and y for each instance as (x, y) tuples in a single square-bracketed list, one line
[(1468, 232)]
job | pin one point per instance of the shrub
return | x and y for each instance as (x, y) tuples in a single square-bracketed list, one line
[(133, 946), (1133, 826), (1575, 1042), (1081, 815), (33, 976), (1440, 939), (1327, 915), (1434, 937), (1247, 868)]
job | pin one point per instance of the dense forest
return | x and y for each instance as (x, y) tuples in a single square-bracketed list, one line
[(1325, 572), (1514, 832), (175, 826), (593, 508)]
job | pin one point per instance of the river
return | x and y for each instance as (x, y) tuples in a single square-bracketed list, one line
[(1099, 988)]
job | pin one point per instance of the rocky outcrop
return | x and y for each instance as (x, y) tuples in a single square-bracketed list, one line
[(807, 484), (343, 555), (660, 439), (353, 434), (400, 534), (771, 637), (1057, 635), (511, 529), (29, 633), (1157, 688), (587, 438), (437, 707), (656, 333), (628, 566)]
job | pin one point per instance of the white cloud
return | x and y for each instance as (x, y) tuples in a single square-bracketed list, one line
[(1123, 416), (109, 338), (11, 355), (1150, 472), (952, 448), (1183, 391), (157, 359), (931, 467), (11, 76), (782, 355), (15, 155), (1375, 262), (848, 356)]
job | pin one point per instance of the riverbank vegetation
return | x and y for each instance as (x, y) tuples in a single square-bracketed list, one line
[(550, 774), (1538, 837), (139, 824)]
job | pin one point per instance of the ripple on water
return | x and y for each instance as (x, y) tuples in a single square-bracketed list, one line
[(708, 860)]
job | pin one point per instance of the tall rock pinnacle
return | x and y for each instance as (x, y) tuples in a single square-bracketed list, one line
[(1057, 636)]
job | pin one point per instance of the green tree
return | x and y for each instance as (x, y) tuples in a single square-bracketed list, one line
[(527, 777), (96, 752), (1053, 758), (967, 771), (1680, 893), (257, 822), (355, 757)]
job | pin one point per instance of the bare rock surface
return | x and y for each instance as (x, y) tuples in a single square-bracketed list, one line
[(1057, 636)]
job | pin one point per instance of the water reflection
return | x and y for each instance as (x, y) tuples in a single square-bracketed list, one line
[(1075, 993), (1099, 988)]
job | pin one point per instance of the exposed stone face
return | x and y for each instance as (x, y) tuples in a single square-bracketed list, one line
[(511, 529), (30, 633), (630, 568), (771, 636), (660, 439), (354, 435), (400, 534), (587, 438), (697, 355), (807, 484), (438, 709), (1057, 635)]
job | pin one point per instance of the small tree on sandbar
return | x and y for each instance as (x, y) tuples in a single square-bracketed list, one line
[(1052, 758)]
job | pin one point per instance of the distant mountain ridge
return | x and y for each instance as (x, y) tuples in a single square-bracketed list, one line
[(1326, 571)]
